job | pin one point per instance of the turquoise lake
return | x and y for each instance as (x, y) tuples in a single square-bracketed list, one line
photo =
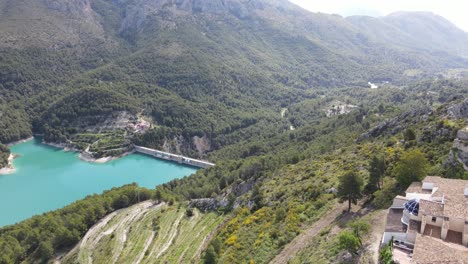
[(49, 178)]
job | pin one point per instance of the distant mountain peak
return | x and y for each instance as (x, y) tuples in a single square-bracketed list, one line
[(421, 30), (412, 13)]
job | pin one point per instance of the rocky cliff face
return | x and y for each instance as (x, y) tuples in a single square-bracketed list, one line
[(398, 124), (459, 111), (208, 204), (240, 8), (138, 12), (459, 152), (71, 7), (51, 24)]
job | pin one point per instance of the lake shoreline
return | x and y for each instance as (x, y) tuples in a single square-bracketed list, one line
[(9, 169), (19, 141), (48, 178), (86, 156), (62, 146)]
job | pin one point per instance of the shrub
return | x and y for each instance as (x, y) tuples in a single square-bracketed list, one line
[(348, 241), (386, 256), (189, 212)]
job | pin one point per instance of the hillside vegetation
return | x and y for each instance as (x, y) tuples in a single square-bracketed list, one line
[(276, 96), (254, 178), (147, 233), (186, 62), (422, 30), (4, 154)]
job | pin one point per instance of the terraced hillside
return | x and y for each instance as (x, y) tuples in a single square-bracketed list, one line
[(146, 233)]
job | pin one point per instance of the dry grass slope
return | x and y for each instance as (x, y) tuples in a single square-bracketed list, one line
[(146, 233)]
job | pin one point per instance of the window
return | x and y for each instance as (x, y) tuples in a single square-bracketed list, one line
[(434, 219)]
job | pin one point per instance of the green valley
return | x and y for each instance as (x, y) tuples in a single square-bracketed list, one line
[(303, 113)]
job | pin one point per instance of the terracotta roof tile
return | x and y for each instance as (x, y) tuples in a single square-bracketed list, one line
[(450, 192), (431, 208), (415, 187), (431, 250)]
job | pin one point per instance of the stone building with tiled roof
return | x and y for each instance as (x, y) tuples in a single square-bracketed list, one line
[(433, 212)]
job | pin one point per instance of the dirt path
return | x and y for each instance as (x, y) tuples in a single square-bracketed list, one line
[(194, 219), (147, 245), (133, 215), (97, 232), (93, 236), (303, 240), (172, 236), (378, 227), (208, 238)]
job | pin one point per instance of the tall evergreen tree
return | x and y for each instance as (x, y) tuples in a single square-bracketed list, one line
[(350, 188), (376, 174), (409, 134), (210, 256), (257, 198)]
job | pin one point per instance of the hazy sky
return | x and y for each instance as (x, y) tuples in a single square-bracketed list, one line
[(453, 10)]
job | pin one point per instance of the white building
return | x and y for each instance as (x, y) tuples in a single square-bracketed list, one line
[(434, 211)]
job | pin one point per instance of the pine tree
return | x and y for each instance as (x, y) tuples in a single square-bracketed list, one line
[(350, 188), (376, 174)]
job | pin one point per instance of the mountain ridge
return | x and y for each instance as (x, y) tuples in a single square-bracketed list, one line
[(421, 30), (226, 52)]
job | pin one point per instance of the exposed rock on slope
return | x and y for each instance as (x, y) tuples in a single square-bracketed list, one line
[(459, 152), (454, 111), (397, 124), (208, 204), (202, 144), (459, 111), (52, 24), (76, 7)]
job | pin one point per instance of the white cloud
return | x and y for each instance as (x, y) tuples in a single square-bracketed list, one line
[(453, 10)]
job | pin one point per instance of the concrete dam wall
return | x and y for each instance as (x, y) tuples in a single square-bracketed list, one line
[(173, 157)]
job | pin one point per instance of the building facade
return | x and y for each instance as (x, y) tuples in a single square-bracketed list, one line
[(436, 208)]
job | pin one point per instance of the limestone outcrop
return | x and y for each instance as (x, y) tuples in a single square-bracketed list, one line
[(458, 111), (208, 204), (398, 124), (459, 152)]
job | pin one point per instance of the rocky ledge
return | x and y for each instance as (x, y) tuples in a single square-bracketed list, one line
[(459, 152), (208, 204), (397, 124)]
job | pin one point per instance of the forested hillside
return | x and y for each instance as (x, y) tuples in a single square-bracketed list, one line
[(419, 30), (213, 59), (4, 154), (276, 96), (275, 185)]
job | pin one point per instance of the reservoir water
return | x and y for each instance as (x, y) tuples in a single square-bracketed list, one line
[(49, 178)]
